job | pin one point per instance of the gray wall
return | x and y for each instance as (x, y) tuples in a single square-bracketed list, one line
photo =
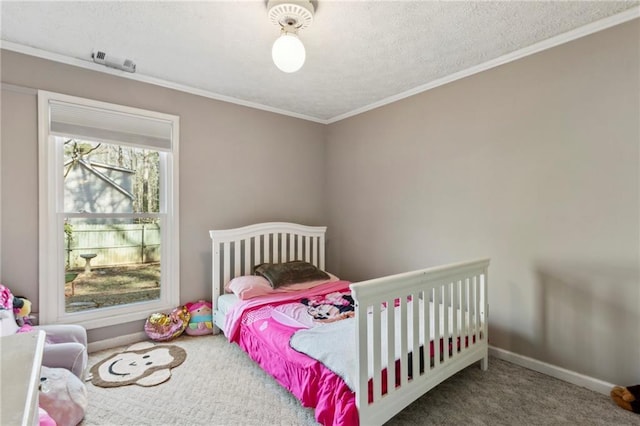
[(534, 164), (237, 166)]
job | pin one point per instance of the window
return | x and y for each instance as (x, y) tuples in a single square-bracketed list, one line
[(108, 185)]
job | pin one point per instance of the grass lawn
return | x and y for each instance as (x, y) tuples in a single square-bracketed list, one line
[(111, 286)]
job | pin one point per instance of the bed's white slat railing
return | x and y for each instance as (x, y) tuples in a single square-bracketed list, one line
[(246, 244), (455, 305), (275, 240), (226, 247), (391, 319), (292, 239), (404, 367), (446, 335), (376, 342), (236, 255), (236, 251)]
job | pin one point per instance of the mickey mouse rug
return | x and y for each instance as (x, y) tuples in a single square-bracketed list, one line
[(142, 364)]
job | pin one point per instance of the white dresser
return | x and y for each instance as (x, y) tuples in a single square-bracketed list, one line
[(20, 360)]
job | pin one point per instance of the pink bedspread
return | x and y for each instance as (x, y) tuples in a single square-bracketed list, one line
[(249, 324)]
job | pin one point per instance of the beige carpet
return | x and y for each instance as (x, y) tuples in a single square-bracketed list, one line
[(219, 385)]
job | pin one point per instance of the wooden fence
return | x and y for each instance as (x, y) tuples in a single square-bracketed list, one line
[(113, 244)]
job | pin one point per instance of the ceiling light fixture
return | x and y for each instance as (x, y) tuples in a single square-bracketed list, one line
[(288, 52)]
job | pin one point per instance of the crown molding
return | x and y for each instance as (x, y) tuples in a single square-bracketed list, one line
[(81, 63)]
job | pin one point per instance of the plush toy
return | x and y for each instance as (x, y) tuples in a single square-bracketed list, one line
[(6, 298), (201, 321), (162, 327), (627, 398), (21, 307), (62, 395), (22, 310), (16, 308)]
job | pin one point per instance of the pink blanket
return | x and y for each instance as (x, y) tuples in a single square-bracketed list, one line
[(249, 323)]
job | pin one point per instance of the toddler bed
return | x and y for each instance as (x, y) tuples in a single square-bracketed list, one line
[(431, 323)]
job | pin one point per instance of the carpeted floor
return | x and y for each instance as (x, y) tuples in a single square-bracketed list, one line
[(219, 385)]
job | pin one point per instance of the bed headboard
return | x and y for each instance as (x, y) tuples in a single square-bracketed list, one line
[(236, 251)]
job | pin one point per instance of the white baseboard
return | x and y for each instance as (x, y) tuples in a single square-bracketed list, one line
[(572, 377), (127, 339)]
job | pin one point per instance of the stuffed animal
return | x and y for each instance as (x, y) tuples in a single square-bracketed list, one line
[(14, 308), (201, 321), (627, 398), (6, 298), (163, 327), (63, 396), (22, 310)]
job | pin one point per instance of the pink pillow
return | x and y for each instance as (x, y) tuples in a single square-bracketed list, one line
[(249, 286)]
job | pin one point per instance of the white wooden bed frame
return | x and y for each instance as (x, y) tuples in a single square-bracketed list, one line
[(460, 287)]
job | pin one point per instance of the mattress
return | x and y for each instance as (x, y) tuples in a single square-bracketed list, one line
[(223, 305), (225, 302)]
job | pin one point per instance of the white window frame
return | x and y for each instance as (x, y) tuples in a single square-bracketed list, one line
[(51, 219)]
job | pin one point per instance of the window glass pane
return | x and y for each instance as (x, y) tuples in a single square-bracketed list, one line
[(108, 178), (111, 262)]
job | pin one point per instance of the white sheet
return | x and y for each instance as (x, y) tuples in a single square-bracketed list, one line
[(226, 301), (334, 344)]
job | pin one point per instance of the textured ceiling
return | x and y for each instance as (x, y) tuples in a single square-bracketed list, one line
[(359, 53)]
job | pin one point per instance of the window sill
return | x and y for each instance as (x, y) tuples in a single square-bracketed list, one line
[(106, 317)]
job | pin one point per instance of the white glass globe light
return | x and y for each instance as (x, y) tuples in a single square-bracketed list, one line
[(288, 52)]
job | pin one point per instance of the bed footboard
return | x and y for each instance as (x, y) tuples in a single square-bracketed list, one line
[(437, 327)]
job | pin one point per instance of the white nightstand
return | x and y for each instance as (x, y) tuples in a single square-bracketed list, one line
[(21, 357)]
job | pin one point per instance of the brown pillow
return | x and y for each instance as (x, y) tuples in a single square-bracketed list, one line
[(282, 274)]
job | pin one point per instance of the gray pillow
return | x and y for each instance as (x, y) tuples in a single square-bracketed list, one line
[(282, 274)]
